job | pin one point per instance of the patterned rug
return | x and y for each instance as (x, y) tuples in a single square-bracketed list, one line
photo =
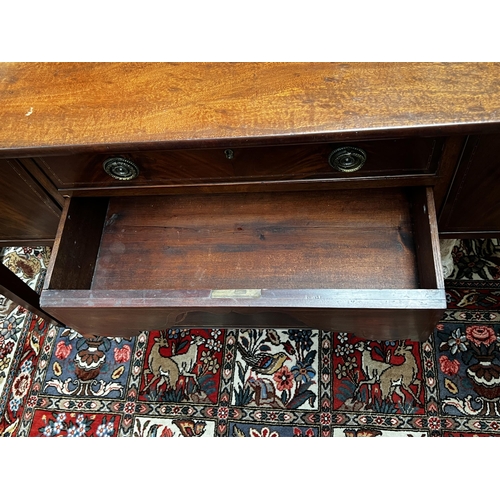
[(262, 383)]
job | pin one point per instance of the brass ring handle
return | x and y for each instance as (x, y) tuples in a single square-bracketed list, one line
[(121, 169), (347, 159)]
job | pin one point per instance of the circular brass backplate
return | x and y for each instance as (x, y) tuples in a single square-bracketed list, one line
[(121, 169), (347, 159)]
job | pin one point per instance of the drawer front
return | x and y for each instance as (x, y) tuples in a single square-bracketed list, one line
[(255, 164), (368, 263), (379, 315)]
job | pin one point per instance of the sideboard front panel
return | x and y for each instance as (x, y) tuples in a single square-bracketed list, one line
[(187, 167), (472, 206)]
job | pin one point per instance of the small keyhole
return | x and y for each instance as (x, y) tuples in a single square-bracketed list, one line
[(229, 154)]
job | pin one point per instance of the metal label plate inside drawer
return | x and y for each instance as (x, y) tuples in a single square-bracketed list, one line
[(240, 293)]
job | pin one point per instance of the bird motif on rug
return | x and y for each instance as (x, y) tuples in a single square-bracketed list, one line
[(263, 363)]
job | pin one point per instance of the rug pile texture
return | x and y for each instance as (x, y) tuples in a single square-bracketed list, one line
[(261, 383)]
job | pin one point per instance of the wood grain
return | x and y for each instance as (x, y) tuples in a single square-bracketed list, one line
[(472, 204), (257, 164), (49, 187), (326, 260), (426, 237), (76, 245), (334, 183), (27, 213), (452, 151), (375, 314), (258, 240), (74, 107)]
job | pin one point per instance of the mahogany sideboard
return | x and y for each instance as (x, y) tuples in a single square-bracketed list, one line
[(246, 195)]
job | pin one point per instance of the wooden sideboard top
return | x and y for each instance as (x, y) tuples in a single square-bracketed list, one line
[(49, 108)]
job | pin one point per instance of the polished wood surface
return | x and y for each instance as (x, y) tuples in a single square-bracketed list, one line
[(28, 215), (450, 157), (472, 207), (387, 158), (53, 107), (374, 314), (43, 179)]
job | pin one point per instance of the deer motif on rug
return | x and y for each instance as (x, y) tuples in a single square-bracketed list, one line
[(390, 378)]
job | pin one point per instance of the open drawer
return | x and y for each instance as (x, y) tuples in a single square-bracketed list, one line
[(364, 261)]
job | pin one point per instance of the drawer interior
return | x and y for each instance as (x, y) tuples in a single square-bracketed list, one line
[(229, 247), (292, 240), (338, 239)]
